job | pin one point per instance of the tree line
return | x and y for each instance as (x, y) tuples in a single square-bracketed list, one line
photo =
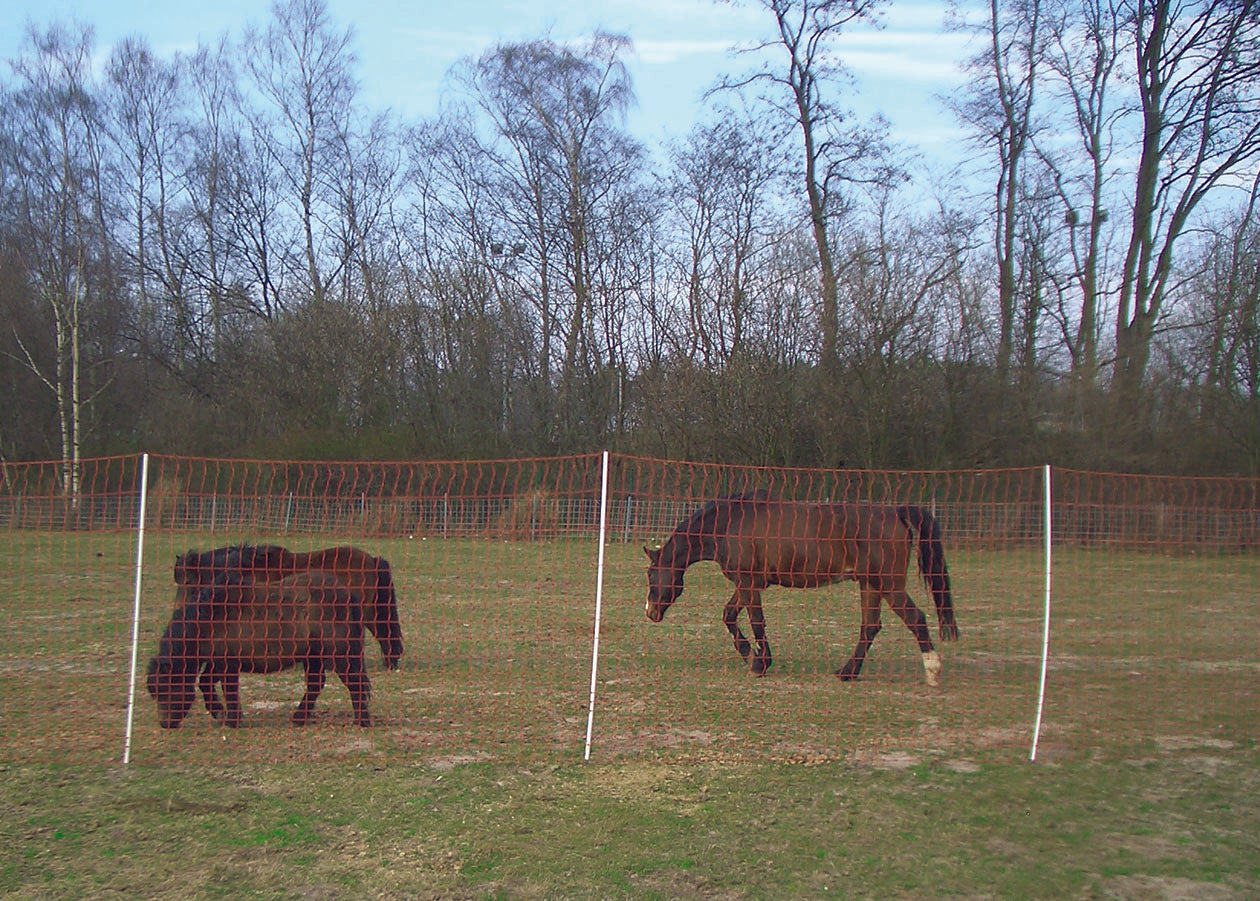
[(229, 253)]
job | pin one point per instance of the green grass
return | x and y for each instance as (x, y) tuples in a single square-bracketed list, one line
[(704, 781), (1139, 827)]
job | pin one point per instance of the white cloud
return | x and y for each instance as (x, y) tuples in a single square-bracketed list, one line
[(654, 52)]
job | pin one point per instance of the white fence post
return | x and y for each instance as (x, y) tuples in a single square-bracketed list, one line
[(1048, 514), (599, 597), (135, 613)]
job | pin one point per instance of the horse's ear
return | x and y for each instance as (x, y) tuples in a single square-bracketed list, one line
[(653, 553)]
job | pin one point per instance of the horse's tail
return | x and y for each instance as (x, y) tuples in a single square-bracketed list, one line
[(385, 613), (932, 565)]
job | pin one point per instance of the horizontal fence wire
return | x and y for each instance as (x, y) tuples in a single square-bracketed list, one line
[(494, 565)]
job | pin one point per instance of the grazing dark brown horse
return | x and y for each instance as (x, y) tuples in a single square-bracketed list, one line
[(758, 541), (236, 626), (368, 577)]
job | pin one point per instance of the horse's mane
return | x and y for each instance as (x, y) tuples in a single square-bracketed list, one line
[(718, 516), (262, 556), (233, 557)]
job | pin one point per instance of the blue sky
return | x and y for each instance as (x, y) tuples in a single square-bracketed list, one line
[(681, 47)]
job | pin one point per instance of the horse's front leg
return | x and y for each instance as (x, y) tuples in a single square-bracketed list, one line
[(730, 618), (206, 683), (315, 678), (866, 634)]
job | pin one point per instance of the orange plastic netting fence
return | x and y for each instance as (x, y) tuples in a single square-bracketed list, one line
[(494, 572)]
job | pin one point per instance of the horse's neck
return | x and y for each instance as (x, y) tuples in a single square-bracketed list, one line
[(687, 549)]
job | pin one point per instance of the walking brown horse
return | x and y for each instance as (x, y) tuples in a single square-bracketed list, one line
[(759, 541), (369, 578)]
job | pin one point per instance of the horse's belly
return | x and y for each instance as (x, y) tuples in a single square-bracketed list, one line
[(260, 653), (265, 664), (807, 579)]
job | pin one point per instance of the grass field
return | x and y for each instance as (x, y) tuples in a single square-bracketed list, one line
[(704, 781), (1178, 822)]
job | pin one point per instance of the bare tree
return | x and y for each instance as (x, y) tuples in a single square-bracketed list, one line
[(723, 190), (467, 327), (1197, 67), (999, 107), (834, 152), (1083, 51), (1233, 291), (373, 167), (896, 270), (216, 258), (1215, 353), (143, 105), (565, 170), (302, 65)]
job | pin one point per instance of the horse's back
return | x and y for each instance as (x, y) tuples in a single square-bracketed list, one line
[(354, 566), (279, 623), (761, 541), (345, 560), (324, 594), (805, 545)]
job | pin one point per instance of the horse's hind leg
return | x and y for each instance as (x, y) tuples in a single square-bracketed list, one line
[(866, 634), (748, 599), (231, 697), (916, 622), (757, 618), (355, 678)]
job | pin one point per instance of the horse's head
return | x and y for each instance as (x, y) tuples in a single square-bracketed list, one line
[(665, 582), (172, 675), (173, 684)]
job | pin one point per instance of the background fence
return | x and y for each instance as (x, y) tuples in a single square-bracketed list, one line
[(1153, 632)]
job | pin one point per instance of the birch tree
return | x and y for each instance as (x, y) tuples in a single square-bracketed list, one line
[(55, 192)]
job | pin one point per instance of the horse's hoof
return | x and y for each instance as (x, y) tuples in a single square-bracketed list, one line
[(845, 676)]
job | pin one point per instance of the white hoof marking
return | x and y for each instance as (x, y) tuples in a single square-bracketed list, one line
[(932, 668)]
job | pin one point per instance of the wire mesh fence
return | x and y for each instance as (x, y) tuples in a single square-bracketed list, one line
[(495, 569)]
